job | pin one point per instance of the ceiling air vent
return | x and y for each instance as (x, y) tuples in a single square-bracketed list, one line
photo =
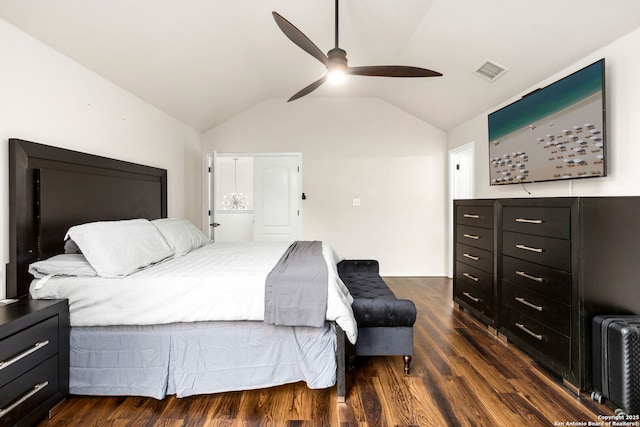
[(491, 70)]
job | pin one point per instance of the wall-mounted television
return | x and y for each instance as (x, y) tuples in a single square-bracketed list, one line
[(553, 133)]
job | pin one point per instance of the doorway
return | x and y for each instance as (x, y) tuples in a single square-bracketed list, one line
[(461, 185), (254, 196)]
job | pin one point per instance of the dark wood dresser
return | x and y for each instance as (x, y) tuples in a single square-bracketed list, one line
[(34, 359), (536, 284), (559, 262), (474, 268)]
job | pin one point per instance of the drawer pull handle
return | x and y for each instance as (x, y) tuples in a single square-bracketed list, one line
[(468, 276), (37, 346), (529, 331), (528, 304), (36, 388), (471, 297), (528, 276), (529, 248), (471, 236), (529, 221), (474, 216), (473, 257)]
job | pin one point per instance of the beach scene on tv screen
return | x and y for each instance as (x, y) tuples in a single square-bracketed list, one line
[(559, 133)]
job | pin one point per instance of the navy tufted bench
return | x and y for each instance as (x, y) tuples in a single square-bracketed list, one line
[(385, 323)]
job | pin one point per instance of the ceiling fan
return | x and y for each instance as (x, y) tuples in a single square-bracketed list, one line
[(336, 59)]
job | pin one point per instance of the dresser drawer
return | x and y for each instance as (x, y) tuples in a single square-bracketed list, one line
[(541, 221), (474, 236), (536, 336), (477, 216), (24, 394), (547, 251), (475, 277), (552, 283), (21, 351), (550, 313), (474, 297), (475, 257)]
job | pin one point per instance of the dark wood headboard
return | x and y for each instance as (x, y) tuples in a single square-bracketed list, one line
[(51, 189)]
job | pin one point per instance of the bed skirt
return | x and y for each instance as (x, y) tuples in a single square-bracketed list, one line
[(185, 359)]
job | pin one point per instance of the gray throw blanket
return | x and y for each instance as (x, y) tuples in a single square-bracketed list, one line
[(296, 288)]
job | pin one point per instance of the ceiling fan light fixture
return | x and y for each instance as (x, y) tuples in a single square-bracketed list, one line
[(336, 76), (337, 66)]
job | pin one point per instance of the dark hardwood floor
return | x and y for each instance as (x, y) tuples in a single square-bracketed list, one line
[(462, 375)]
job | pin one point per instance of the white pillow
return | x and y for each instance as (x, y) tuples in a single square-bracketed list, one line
[(181, 235), (119, 248), (65, 265)]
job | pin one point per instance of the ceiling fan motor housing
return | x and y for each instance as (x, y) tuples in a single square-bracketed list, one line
[(337, 59)]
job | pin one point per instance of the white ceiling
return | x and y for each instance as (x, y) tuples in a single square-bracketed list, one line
[(204, 61)]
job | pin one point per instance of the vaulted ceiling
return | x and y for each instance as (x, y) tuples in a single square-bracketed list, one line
[(204, 61)]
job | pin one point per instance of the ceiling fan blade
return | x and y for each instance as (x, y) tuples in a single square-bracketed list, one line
[(298, 37), (307, 90), (392, 71)]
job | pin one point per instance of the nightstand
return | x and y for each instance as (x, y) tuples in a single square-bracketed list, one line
[(34, 359)]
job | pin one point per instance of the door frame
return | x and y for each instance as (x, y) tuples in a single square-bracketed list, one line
[(209, 207), (468, 189), (209, 211)]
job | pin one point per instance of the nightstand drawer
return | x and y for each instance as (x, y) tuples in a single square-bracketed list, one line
[(477, 216), (34, 352), (541, 221), (475, 257), (547, 251), (474, 236), (25, 393), (21, 351)]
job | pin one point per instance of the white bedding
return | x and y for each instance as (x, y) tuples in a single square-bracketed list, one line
[(219, 281)]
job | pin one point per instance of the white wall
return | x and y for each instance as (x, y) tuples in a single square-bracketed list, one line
[(47, 98), (357, 148), (623, 132)]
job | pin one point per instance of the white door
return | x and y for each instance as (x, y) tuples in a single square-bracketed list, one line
[(462, 172), (461, 185), (277, 198)]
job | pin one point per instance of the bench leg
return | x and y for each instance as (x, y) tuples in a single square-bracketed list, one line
[(407, 363)]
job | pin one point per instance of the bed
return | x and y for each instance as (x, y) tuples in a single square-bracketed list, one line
[(131, 338)]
